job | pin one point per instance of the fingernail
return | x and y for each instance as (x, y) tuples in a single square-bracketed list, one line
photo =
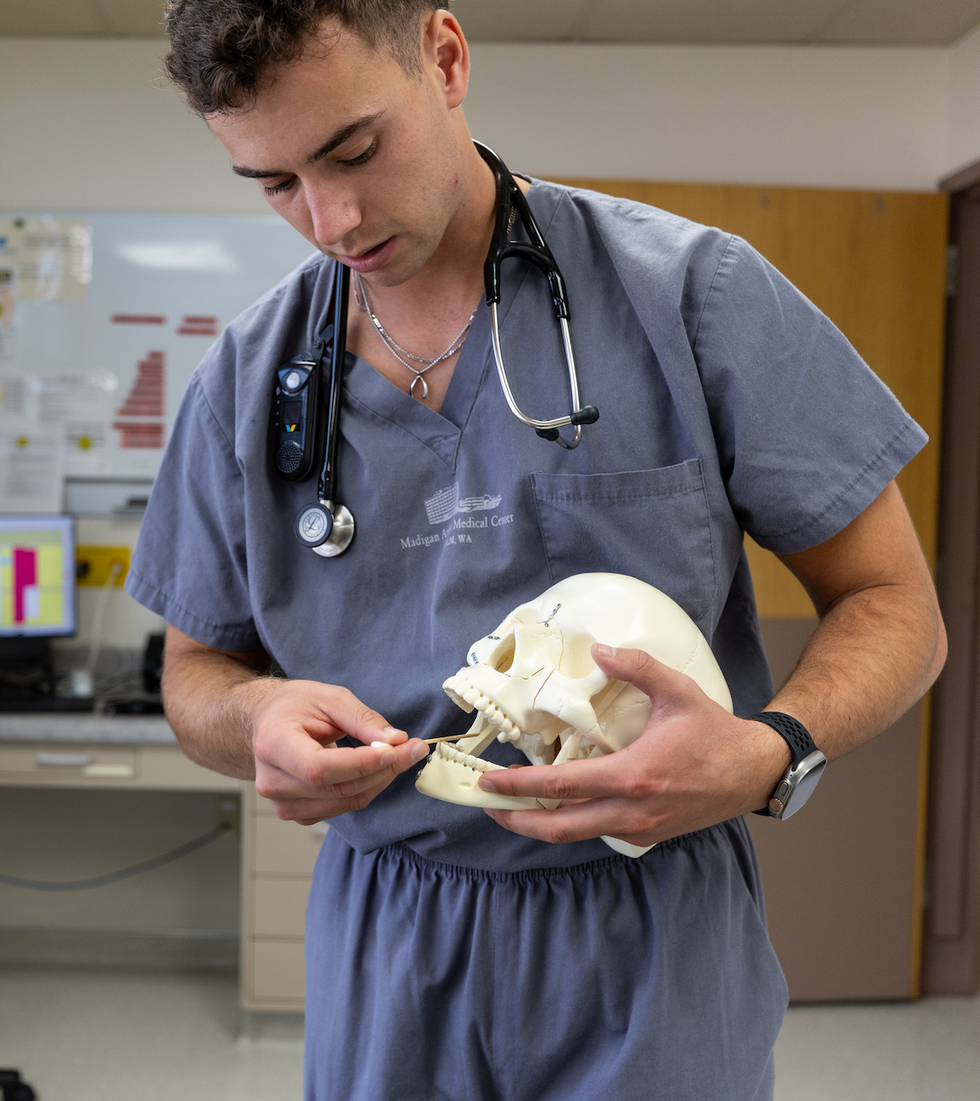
[(394, 732), (603, 650), (419, 751), (387, 760), (486, 784)]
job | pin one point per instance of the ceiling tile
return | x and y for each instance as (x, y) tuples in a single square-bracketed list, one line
[(884, 22), (706, 21), (43, 19), (519, 20), (901, 22), (134, 18)]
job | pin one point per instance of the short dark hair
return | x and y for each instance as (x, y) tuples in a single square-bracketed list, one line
[(220, 50)]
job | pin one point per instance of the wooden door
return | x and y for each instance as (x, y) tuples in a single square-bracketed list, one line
[(844, 878)]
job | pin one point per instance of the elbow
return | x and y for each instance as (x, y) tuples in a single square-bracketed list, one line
[(940, 650)]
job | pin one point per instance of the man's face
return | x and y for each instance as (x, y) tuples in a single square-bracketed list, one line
[(358, 156)]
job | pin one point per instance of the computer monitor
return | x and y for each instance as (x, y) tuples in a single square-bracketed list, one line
[(37, 576)]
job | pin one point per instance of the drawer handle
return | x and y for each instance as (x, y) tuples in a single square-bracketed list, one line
[(120, 771), (63, 760)]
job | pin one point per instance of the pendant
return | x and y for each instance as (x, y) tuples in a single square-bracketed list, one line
[(425, 387)]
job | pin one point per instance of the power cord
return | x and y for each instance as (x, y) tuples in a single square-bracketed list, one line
[(115, 877)]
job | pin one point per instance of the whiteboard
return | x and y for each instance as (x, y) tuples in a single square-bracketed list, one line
[(96, 353)]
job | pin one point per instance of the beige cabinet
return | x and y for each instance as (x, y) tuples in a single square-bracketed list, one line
[(105, 765), (277, 868)]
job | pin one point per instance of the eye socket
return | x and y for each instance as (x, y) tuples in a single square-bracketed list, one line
[(576, 657)]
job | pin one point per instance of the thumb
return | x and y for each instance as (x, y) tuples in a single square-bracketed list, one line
[(345, 711), (638, 668)]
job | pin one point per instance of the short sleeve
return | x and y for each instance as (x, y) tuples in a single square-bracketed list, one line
[(190, 562), (807, 435)]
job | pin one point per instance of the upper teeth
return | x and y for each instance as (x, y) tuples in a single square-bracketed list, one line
[(462, 690)]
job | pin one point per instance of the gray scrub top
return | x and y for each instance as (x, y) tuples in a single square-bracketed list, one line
[(728, 403)]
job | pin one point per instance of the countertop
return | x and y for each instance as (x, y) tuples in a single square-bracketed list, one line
[(90, 728)]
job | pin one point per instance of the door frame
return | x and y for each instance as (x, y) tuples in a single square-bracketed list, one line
[(951, 947)]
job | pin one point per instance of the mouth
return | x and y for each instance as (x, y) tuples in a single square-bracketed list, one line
[(372, 259), (453, 771)]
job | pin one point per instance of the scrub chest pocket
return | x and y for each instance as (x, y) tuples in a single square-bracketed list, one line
[(650, 524)]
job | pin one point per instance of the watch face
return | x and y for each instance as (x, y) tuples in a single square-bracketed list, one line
[(803, 779)]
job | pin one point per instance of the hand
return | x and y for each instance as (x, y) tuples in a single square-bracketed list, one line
[(693, 765), (298, 766)]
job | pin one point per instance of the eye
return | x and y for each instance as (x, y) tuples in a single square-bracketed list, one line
[(279, 188), (361, 158)]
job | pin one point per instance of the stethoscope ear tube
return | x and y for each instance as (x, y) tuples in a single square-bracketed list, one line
[(538, 254)]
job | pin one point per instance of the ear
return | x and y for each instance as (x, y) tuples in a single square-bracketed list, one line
[(445, 56)]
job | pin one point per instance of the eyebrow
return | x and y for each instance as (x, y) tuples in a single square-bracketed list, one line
[(328, 147)]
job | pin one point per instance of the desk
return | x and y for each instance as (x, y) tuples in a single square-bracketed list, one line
[(141, 752)]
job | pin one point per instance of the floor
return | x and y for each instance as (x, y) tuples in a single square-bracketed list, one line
[(124, 1036)]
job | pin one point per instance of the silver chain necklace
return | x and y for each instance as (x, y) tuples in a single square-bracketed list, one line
[(361, 298)]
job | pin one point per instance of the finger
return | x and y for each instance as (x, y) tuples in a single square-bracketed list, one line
[(578, 822), (598, 777), (302, 763), (318, 809)]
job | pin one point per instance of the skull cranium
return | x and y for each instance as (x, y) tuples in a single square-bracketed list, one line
[(533, 682)]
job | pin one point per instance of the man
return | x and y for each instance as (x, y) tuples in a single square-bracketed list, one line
[(447, 957)]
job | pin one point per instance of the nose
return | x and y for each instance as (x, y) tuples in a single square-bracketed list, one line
[(334, 213)]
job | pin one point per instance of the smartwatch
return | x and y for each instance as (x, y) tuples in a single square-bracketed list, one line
[(806, 768)]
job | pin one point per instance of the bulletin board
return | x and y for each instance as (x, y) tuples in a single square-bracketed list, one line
[(103, 318)]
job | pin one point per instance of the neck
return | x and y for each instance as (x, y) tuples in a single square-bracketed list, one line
[(425, 313)]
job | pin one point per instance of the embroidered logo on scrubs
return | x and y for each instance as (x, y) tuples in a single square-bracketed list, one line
[(443, 510), (440, 506)]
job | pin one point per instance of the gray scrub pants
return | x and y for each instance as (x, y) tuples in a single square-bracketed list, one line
[(619, 979)]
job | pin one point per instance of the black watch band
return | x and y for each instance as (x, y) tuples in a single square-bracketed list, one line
[(797, 784), (796, 735)]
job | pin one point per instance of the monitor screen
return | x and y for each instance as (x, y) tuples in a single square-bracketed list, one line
[(37, 575)]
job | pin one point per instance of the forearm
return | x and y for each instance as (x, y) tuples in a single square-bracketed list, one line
[(210, 699), (873, 655), (880, 643)]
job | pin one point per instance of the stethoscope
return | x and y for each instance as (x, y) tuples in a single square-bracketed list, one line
[(327, 527)]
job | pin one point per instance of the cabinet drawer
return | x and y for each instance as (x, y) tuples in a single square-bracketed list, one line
[(280, 907), (166, 767), (278, 973), (68, 764), (284, 848)]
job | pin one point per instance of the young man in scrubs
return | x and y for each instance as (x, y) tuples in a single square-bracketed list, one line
[(453, 953)]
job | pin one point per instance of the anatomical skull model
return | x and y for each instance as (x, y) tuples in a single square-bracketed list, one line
[(533, 682)]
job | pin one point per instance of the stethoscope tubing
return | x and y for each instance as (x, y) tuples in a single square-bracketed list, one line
[(511, 198), (341, 296), (334, 520)]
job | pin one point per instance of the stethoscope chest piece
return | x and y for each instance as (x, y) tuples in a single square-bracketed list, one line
[(326, 528)]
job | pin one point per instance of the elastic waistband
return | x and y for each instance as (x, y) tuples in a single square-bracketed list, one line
[(399, 852)]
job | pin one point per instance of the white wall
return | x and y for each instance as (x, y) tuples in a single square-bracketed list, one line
[(91, 125), (816, 116), (964, 99)]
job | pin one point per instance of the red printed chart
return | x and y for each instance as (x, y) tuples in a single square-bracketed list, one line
[(94, 378)]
